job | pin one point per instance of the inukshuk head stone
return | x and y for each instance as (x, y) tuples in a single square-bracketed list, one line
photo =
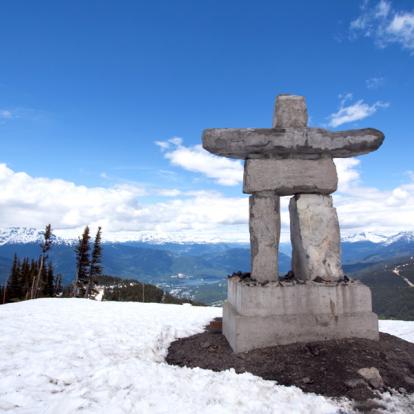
[(292, 159)]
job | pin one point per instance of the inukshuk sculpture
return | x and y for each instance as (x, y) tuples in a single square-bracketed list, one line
[(292, 159)]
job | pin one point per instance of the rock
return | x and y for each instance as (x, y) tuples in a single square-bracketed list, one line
[(369, 406), (290, 112), (314, 232), (353, 383), (290, 176), (409, 380), (264, 226), (303, 143), (306, 380), (372, 376)]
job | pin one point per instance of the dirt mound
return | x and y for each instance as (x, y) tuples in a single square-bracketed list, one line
[(329, 368)]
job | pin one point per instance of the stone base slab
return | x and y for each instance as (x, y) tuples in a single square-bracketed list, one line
[(260, 316)]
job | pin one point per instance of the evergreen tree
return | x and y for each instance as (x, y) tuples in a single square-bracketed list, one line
[(29, 273), (26, 277), (58, 285), (49, 278), (38, 281), (14, 283), (95, 268), (83, 264), (3, 290)]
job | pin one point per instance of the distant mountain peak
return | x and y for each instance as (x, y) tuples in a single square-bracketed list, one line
[(23, 235), (406, 236)]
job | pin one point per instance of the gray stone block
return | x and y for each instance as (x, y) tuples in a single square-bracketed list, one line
[(290, 176), (286, 298), (290, 112), (264, 226), (303, 143), (260, 316), (315, 237)]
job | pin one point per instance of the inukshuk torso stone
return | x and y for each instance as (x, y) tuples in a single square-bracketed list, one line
[(289, 159)]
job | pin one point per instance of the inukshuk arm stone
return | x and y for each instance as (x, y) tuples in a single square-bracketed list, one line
[(303, 143)]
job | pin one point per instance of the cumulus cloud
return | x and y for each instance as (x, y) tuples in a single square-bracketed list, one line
[(195, 159), (191, 216), (348, 174), (385, 25), (351, 112), (374, 82), (27, 200), (35, 201)]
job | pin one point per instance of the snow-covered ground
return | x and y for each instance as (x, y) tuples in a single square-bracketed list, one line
[(74, 355)]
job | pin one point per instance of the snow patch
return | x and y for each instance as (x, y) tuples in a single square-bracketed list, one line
[(77, 355)]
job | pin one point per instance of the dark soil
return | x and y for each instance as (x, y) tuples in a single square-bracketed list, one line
[(328, 368)]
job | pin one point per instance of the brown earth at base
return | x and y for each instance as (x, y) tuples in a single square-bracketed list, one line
[(328, 368)]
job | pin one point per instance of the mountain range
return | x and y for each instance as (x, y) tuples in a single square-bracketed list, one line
[(198, 270)]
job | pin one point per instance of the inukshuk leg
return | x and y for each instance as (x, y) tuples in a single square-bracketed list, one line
[(314, 232), (264, 226)]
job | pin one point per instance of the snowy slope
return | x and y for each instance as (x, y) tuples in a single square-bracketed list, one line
[(72, 355)]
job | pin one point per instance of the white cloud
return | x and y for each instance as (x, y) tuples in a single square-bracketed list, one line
[(374, 82), (26, 200), (196, 215), (5, 114), (195, 159), (165, 145), (169, 192), (353, 111), (385, 25), (34, 201), (348, 175)]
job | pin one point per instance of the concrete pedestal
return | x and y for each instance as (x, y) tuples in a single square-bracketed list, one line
[(257, 316)]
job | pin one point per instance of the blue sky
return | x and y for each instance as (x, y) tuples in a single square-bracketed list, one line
[(88, 87)]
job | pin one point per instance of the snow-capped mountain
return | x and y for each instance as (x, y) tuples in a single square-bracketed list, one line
[(24, 235), (404, 236), (365, 236)]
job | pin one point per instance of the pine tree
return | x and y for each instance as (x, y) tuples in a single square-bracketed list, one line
[(26, 277), (3, 290), (95, 268), (38, 281), (14, 283), (30, 272), (58, 285), (83, 264), (49, 286)]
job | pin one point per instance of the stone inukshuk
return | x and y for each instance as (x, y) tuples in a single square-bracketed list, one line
[(292, 159)]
